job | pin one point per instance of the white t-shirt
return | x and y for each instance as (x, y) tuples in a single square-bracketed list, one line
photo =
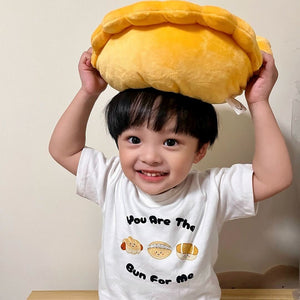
[(162, 246)]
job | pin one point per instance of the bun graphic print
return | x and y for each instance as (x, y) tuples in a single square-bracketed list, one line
[(186, 251), (159, 250), (131, 245)]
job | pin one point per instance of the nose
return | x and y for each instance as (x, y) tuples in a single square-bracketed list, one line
[(150, 155)]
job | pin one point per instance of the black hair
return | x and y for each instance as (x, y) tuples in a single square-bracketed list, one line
[(135, 107)]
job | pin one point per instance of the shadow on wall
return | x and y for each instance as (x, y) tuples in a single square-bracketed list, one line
[(296, 146), (296, 139), (235, 143), (275, 278)]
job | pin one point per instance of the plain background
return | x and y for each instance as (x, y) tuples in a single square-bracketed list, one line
[(49, 236)]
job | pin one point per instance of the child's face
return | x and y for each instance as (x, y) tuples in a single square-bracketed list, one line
[(157, 161)]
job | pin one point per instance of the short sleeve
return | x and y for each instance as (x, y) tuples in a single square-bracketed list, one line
[(94, 174), (235, 192)]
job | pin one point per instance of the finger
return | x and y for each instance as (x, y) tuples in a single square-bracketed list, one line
[(266, 63), (269, 65), (268, 59), (84, 56), (266, 55)]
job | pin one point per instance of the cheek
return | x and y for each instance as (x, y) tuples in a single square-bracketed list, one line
[(125, 156), (181, 168), (183, 162), (127, 162)]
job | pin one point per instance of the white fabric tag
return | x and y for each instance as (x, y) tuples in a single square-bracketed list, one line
[(236, 105)]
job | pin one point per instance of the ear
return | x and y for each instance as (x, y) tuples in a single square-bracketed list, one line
[(201, 153)]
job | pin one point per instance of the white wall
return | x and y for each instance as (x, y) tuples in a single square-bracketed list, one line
[(49, 237)]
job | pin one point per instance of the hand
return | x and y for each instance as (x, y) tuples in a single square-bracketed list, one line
[(91, 80), (260, 85)]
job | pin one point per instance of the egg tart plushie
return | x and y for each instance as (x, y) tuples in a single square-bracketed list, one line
[(204, 52)]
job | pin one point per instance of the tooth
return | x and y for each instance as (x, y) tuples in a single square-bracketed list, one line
[(152, 174)]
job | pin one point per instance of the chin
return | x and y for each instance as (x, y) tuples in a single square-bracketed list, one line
[(154, 192)]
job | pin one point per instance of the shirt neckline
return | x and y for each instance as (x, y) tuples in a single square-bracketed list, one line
[(166, 198)]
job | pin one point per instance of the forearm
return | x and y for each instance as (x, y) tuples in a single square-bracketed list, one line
[(271, 161), (69, 135)]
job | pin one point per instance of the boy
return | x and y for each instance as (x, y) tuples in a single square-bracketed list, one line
[(161, 221)]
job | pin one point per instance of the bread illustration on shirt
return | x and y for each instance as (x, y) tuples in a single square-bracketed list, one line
[(186, 251), (159, 250), (131, 245)]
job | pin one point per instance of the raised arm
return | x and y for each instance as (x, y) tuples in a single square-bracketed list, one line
[(68, 138), (271, 162)]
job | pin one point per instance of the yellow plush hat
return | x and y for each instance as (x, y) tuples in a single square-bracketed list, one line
[(203, 52)]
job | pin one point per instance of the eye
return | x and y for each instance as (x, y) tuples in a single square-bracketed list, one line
[(134, 140), (170, 142)]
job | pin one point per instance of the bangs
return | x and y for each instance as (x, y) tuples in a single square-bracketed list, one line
[(153, 108)]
